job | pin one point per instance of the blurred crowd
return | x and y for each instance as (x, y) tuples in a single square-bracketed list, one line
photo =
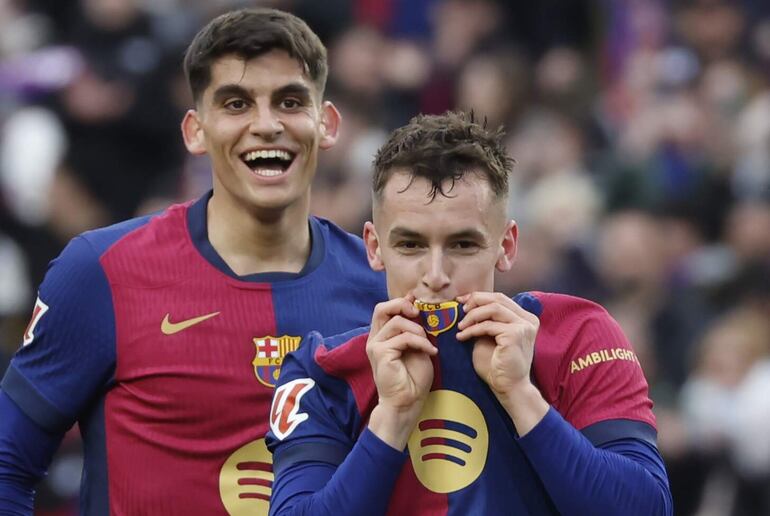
[(640, 130)]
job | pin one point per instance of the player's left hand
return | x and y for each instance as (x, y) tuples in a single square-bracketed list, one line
[(505, 339)]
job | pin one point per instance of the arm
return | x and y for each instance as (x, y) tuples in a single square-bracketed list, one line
[(66, 359), (316, 471), (361, 484), (627, 477), (25, 452)]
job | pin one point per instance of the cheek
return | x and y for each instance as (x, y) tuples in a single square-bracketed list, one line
[(403, 274), (474, 275), (308, 132), (221, 135)]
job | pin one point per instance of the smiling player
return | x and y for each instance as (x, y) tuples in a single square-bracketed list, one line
[(482, 394), (163, 336)]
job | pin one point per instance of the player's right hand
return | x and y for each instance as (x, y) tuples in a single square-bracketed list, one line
[(399, 352)]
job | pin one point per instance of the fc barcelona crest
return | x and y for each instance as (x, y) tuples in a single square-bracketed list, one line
[(270, 354), (437, 317)]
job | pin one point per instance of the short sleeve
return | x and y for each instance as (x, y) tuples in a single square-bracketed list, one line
[(67, 357)]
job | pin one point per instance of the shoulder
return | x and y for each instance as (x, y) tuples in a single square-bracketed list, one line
[(338, 365), (566, 310), (328, 357), (316, 401), (567, 322), (346, 252), (80, 262), (570, 324), (585, 366), (145, 250), (102, 239)]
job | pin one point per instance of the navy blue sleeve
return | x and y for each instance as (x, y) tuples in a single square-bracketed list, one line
[(624, 476), (25, 452), (362, 484), (68, 355)]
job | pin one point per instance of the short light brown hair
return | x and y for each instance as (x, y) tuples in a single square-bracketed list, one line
[(444, 147), (248, 33)]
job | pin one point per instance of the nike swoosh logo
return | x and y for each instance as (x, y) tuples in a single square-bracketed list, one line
[(169, 328)]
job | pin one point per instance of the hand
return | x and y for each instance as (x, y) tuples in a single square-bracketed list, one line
[(505, 339), (502, 353), (399, 353)]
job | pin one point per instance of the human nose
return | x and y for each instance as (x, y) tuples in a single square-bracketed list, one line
[(266, 124), (436, 276)]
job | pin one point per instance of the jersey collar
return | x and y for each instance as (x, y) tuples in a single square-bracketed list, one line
[(197, 218)]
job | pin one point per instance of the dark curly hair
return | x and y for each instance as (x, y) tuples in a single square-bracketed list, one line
[(248, 33), (442, 147)]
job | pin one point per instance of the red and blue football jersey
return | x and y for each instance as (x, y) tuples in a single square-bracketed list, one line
[(168, 360), (464, 455)]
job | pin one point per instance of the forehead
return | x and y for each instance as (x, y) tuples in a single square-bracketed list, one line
[(271, 70), (406, 202)]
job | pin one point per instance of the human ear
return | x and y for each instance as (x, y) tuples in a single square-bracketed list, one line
[(192, 132), (373, 250), (330, 125), (508, 247)]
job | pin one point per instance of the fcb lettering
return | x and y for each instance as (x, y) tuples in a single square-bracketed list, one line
[(437, 318)]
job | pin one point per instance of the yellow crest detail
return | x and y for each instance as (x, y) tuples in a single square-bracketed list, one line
[(437, 317), (269, 357)]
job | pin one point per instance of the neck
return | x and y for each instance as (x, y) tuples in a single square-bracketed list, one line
[(252, 241)]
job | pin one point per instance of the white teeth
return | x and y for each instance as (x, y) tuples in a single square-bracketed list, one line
[(267, 172), (266, 154)]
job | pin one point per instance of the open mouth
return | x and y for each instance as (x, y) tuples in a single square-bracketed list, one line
[(268, 163)]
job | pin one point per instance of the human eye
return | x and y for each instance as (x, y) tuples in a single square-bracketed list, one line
[(408, 246), (236, 105), (465, 245), (290, 103)]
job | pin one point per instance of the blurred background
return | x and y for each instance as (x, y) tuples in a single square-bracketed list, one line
[(640, 129)]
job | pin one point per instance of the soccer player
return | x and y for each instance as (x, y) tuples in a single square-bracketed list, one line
[(534, 405), (163, 336)]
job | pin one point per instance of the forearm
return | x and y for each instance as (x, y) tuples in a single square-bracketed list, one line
[(361, 484), (582, 479), (525, 406), (25, 451), (393, 426)]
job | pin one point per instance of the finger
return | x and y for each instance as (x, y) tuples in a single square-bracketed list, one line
[(493, 312), (483, 298), (407, 342), (484, 328), (386, 310), (523, 313), (399, 324), (478, 298)]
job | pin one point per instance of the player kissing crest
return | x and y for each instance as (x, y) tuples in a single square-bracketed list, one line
[(270, 354), (437, 318)]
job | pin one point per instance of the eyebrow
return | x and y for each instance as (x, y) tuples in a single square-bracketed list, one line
[(229, 90), (235, 90), (401, 232), (294, 88), (463, 234)]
